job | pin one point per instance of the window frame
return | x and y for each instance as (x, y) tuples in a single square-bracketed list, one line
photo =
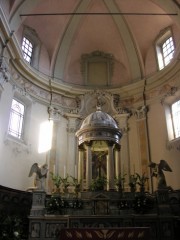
[(20, 133), (172, 116), (171, 97), (27, 102), (32, 36), (27, 53), (161, 39)]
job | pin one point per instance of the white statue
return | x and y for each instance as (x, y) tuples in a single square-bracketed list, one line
[(40, 175)]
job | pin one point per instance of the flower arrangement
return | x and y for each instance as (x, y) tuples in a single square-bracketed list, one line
[(143, 204), (54, 205)]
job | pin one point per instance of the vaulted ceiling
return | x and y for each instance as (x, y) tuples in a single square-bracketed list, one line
[(68, 29)]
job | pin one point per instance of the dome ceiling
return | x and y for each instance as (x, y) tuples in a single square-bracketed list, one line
[(125, 30)]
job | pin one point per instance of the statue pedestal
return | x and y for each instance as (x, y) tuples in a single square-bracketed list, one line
[(163, 201), (38, 203)]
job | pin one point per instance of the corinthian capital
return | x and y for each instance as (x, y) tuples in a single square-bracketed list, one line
[(141, 112)]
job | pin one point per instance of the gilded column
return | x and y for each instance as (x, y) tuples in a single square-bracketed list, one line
[(110, 167), (80, 164), (88, 165), (117, 160)]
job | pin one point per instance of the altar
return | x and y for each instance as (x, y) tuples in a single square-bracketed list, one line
[(105, 233)]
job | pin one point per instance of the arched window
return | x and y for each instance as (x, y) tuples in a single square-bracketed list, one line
[(16, 119), (27, 48), (31, 46), (171, 103), (175, 111), (165, 49)]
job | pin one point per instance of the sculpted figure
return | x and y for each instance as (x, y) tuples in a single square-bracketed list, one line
[(158, 172), (40, 175)]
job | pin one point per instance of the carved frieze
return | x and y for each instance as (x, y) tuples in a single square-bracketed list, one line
[(171, 145), (169, 93)]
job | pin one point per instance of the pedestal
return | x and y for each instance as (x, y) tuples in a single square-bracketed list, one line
[(38, 203)]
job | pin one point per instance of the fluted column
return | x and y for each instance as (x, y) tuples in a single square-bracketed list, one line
[(122, 119), (110, 167), (141, 120), (72, 144), (52, 154), (88, 165)]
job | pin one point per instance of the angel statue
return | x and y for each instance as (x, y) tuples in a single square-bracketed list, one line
[(40, 175), (158, 172)]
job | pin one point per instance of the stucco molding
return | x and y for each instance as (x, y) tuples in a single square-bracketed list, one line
[(17, 146), (171, 145)]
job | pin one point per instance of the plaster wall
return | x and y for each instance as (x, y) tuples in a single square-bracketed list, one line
[(16, 157), (158, 144)]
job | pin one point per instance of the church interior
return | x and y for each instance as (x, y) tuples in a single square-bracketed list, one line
[(89, 119)]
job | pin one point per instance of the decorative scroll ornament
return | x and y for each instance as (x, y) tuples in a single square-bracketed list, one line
[(4, 72), (141, 112), (55, 113), (170, 93)]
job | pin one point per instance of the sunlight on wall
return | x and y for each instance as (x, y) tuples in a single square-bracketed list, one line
[(45, 136)]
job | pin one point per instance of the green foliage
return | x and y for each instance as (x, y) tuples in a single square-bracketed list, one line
[(54, 205), (141, 180), (57, 205), (98, 184), (12, 227), (76, 184), (133, 180), (57, 180), (119, 182)]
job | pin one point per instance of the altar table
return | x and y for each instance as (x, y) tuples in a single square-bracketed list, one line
[(139, 233)]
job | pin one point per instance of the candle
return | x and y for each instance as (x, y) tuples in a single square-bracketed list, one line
[(64, 171), (75, 171)]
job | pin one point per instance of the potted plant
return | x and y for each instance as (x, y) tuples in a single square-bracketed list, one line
[(98, 184), (141, 180), (57, 180), (76, 184), (133, 181), (119, 182), (65, 184)]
